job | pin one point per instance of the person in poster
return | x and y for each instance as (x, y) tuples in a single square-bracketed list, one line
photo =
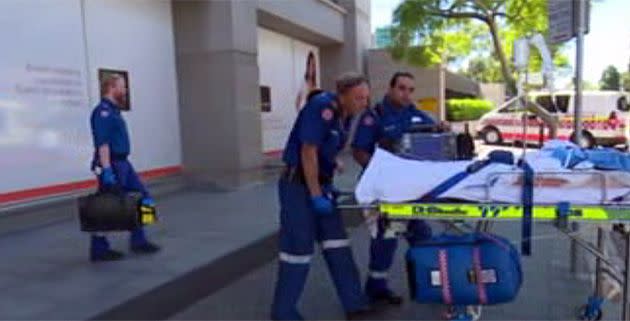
[(310, 81)]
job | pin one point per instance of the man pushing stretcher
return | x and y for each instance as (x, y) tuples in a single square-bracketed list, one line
[(384, 126)]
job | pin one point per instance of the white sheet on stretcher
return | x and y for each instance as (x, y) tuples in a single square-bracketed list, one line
[(389, 178)]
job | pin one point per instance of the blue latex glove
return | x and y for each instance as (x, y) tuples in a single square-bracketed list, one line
[(107, 177), (322, 205), (148, 201)]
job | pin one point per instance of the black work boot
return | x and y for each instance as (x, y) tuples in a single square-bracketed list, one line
[(101, 252), (388, 297), (139, 244)]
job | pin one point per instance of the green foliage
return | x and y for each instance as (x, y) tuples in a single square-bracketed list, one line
[(422, 39), (484, 69), (467, 109), (587, 85), (611, 79), (625, 80), (424, 31)]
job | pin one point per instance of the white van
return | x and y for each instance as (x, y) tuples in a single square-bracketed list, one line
[(605, 119)]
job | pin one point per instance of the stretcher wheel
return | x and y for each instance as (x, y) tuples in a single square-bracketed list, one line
[(595, 315)]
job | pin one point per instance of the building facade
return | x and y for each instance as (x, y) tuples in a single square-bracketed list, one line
[(382, 37), (214, 85)]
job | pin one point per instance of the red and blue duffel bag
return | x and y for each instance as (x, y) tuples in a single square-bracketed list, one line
[(469, 269)]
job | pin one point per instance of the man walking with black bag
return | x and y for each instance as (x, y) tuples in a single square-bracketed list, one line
[(111, 164)]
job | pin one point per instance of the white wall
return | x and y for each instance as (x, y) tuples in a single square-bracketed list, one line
[(140, 41), (282, 63), (47, 94), (41, 56)]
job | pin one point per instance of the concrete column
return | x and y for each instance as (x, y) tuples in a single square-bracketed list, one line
[(216, 50), (351, 55)]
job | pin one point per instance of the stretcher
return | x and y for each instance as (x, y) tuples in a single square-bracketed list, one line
[(485, 209)]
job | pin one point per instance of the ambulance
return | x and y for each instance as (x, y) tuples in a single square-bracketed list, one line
[(605, 119)]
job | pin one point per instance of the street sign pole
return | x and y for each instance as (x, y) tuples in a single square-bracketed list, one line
[(568, 19), (579, 62)]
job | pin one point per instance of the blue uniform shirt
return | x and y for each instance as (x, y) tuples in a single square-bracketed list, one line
[(387, 122), (368, 131), (319, 124), (109, 127)]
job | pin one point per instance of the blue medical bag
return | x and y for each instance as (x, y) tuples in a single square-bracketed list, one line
[(469, 269)]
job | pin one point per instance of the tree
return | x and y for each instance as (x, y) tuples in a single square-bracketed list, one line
[(587, 85), (424, 31), (611, 79), (626, 81), (484, 69)]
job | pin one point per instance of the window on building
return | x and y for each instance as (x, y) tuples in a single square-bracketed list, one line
[(265, 99)]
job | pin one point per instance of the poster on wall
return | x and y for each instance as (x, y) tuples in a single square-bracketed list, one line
[(289, 82), (308, 82), (107, 73)]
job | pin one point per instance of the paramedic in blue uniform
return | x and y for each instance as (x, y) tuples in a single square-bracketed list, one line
[(111, 164), (383, 126), (307, 201)]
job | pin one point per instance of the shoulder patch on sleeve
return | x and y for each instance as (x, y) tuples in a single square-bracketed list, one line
[(327, 114), (368, 120), (104, 113)]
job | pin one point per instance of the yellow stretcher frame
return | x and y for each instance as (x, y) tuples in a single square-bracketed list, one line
[(480, 211)]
